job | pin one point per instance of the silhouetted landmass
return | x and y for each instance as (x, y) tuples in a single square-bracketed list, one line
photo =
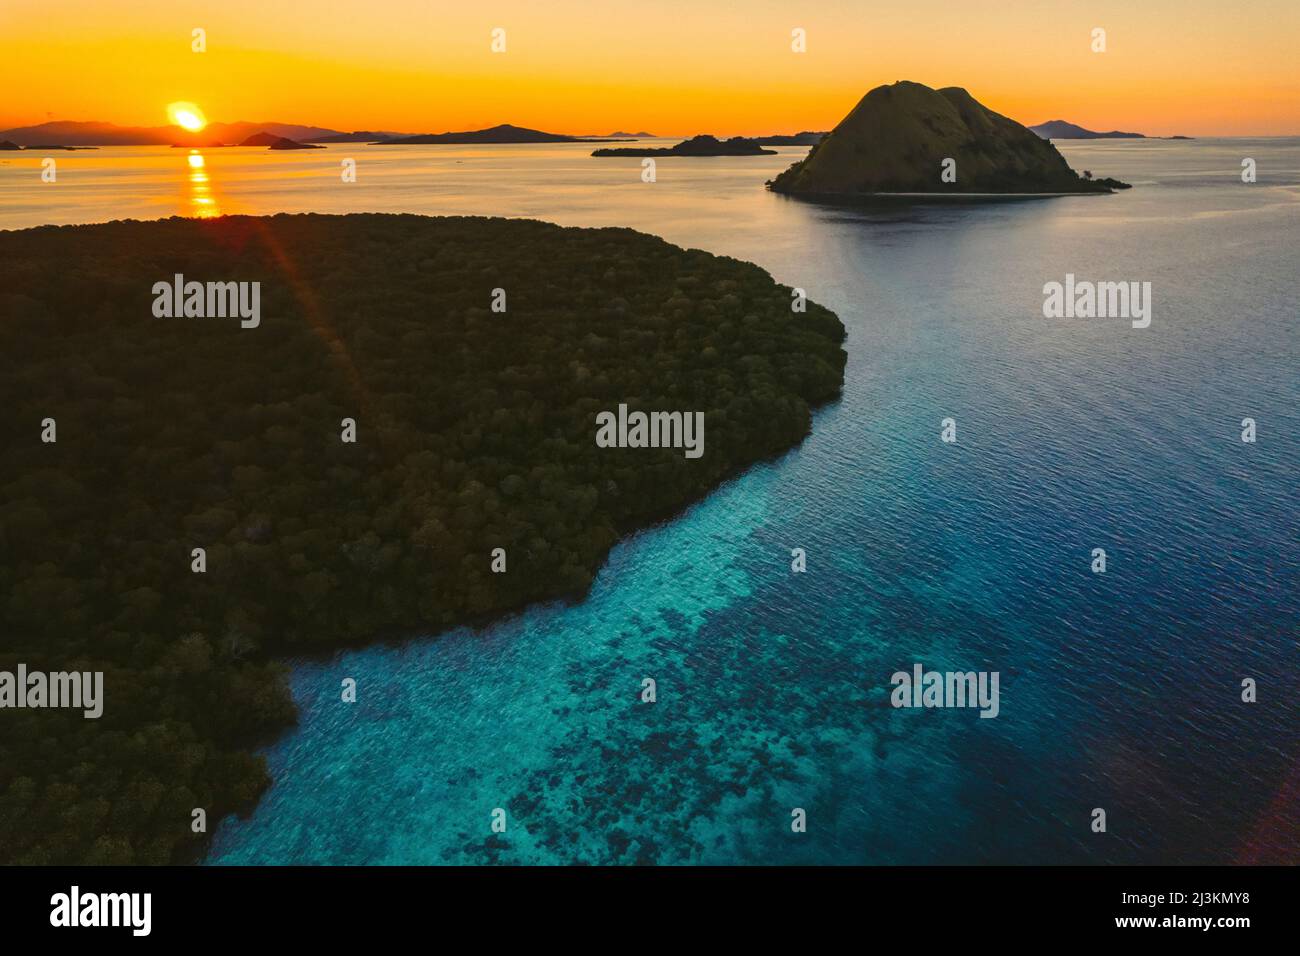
[(798, 139), (260, 139), (898, 139), (7, 145), (360, 136), (475, 431), (271, 141), (619, 134), (1060, 129), (92, 133), (505, 133), (1110, 184), (696, 146), (282, 142)]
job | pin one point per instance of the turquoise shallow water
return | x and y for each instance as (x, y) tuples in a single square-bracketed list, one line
[(1118, 691)]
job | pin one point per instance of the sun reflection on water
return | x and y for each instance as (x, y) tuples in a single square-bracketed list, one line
[(203, 204)]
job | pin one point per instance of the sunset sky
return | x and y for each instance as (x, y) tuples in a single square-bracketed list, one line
[(673, 67)]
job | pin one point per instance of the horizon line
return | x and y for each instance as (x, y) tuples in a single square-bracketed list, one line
[(6, 126)]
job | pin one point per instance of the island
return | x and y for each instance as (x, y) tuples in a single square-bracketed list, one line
[(805, 138), (359, 136), (9, 145), (504, 133), (901, 139), (276, 142), (283, 142), (696, 146), (475, 430), (1060, 129), (214, 134)]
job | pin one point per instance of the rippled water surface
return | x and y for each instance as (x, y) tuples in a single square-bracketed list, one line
[(1120, 691)]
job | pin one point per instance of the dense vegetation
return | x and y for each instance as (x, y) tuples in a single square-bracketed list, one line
[(897, 138), (475, 430)]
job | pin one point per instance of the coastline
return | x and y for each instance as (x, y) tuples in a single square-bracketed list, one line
[(330, 546)]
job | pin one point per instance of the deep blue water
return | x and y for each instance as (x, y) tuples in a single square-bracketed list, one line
[(1119, 691)]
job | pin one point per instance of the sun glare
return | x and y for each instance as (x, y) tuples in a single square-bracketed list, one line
[(187, 116)]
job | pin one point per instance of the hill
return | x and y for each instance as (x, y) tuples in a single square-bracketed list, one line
[(897, 138)]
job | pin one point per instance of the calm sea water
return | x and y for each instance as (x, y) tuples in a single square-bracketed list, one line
[(1120, 691)]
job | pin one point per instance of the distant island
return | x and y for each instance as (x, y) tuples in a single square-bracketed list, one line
[(358, 136), (798, 139), (1060, 129), (283, 142), (261, 139), (214, 135), (7, 145), (898, 139), (88, 134), (504, 133), (276, 142), (199, 433), (706, 145), (696, 146), (93, 133)]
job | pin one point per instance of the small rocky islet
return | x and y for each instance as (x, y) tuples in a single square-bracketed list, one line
[(902, 138)]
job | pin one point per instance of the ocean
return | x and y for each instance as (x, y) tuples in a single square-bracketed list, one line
[(1120, 691)]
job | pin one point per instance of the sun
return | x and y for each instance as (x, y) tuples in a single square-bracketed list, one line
[(186, 116)]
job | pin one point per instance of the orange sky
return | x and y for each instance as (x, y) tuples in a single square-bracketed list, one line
[(673, 67)]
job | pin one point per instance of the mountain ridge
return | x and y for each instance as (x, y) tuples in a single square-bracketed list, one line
[(501, 133), (97, 133)]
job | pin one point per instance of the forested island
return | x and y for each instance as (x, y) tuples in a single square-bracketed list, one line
[(474, 431)]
